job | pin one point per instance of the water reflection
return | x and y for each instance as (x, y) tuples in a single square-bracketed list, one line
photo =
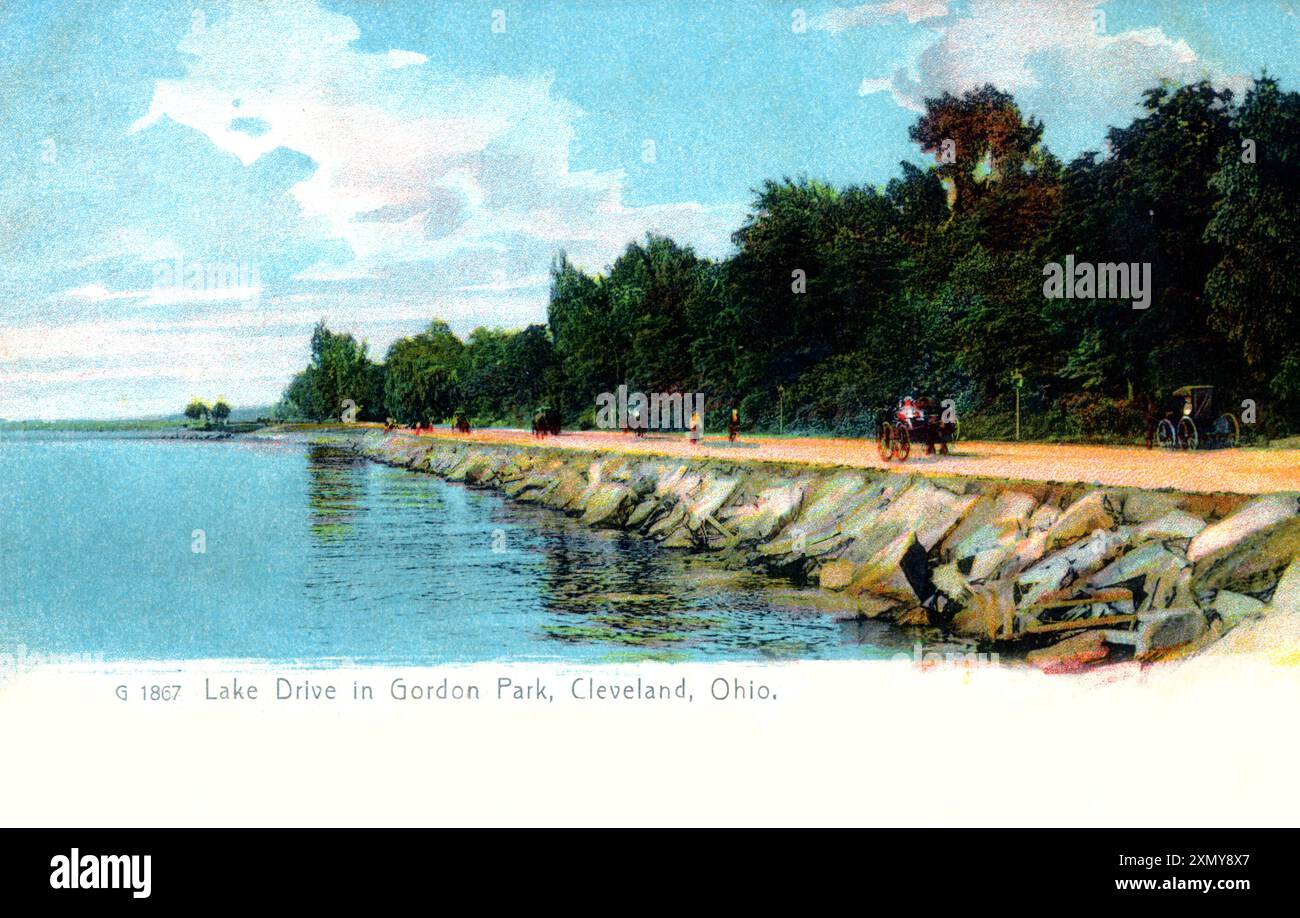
[(641, 601), (315, 557), (465, 566), (336, 493)]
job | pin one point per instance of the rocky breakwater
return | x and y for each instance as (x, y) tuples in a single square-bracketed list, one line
[(1073, 574)]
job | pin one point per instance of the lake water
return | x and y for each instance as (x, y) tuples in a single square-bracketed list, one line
[(289, 552)]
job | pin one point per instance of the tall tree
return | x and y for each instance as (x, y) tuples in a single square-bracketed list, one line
[(975, 136), (1254, 290), (422, 375), (344, 373), (654, 282), (592, 332), (197, 409)]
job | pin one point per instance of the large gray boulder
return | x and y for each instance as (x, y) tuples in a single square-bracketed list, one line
[(1044, 518), (1251, 557), (929, 511), (990, 523), (771, 512), (841, 503), (1232, 608), (1065, 567), (898, 571), (708, 499), (902, 507), (608, 504), (1173, 526), (641, 512), (1286, 598), (1145, 562), (1254, 517), (1164, 630), (1047, 576), (1145, 506), (1095, 510), (565, 490), (673, 519)]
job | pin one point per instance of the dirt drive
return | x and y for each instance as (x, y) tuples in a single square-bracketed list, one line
[(1239, 471)]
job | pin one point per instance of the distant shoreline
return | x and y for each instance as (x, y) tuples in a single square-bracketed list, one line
[(164, 429)]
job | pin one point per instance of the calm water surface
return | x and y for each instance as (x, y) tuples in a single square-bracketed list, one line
[(286, 551)]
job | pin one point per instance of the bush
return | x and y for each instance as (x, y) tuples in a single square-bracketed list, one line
[(1096, 417)]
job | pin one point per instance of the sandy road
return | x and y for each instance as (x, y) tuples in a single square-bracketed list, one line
[(1240, 471)]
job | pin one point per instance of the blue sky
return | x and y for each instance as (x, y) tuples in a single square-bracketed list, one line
[(190, 186)]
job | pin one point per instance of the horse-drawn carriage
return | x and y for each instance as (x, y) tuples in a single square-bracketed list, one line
[(546, 421), (1188, 422), (914, 421)]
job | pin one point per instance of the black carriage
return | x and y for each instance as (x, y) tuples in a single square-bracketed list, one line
[(1188, 421), (914, 421)]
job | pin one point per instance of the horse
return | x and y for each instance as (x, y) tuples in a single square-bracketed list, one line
[(1152, 415), (546, 421), (932, 427)]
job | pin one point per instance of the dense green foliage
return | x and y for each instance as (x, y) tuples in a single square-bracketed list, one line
[(420, 375), (838, 300), (497, 376), (197, 409), (340, 370)]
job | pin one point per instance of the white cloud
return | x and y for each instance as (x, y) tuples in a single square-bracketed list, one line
[(93, 293), (450, 196), (902, 98), (396, 59), (1056, 58), (171, 295), (413, 164), (869, 14)]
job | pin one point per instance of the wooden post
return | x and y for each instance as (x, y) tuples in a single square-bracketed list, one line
[(1017, 380)]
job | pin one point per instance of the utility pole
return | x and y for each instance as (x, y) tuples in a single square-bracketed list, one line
[(1017, 380)]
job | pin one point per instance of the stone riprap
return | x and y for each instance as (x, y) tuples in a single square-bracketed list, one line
[(1096, 572)]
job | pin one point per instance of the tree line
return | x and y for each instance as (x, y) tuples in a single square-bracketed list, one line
[(837, 301), (217, 412), (495, 376)]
